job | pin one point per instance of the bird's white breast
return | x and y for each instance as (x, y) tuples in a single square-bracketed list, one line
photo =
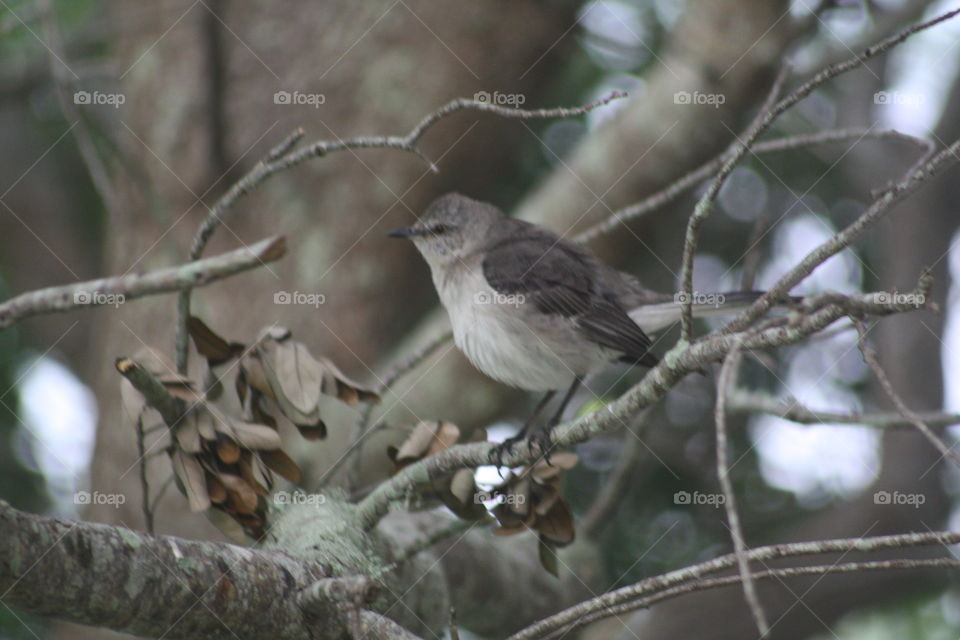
[(508, 340)]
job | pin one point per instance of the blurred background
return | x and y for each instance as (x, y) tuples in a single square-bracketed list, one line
[(123, 122)]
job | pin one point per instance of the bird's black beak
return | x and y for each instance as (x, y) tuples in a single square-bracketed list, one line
[(403, 232)]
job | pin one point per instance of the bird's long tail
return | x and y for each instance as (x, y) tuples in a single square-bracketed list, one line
[(654, 317)]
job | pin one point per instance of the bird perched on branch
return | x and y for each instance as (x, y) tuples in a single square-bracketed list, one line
[(535, 311)]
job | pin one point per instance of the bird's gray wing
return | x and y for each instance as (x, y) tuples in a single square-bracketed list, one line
[(558, 277)]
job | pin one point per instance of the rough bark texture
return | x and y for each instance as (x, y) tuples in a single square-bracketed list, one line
[(172, 587), (154, 586)]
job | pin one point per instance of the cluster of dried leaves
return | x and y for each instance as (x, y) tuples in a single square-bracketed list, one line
[(226, 445), (530, 500), (456, 490)]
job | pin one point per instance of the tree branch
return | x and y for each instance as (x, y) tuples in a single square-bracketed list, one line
[(157, 586), (693, 575), (284, 156), (119, 289), (779, 574), (362, 429), (870, 357), (761, 123), (758, 126), (836, 243), (725, 384), (689, 181), (677, 363), (743, 401)]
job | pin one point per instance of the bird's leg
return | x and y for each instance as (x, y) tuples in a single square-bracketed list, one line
[(507, 445), (542, 436)]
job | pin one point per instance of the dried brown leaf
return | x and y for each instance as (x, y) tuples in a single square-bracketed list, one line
[(252, 474), (241, 496), (462, 486), (190, 477), (557, 525), (188, 435), (282, 464), (227, 449), (211, 346), (548, 557), (427, 438), (337, 384), (216, 490), (252, 436)]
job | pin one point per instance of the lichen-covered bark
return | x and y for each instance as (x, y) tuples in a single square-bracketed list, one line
[(101, 575), (319, 575)]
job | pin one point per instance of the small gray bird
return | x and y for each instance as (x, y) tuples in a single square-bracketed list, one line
[(533, 310)]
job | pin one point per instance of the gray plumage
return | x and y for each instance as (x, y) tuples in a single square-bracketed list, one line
[(531, 309)]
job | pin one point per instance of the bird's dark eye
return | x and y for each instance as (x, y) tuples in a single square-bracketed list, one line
[(437, 229)]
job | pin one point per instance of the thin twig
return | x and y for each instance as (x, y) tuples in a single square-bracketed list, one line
[(790, 409), (362, 430), (725, 385), (94, 163), (915, 176), (751, 258), (117, 290), (788, 572), (694, 574), (144, 484), (284, 157), (162, 490), (870, 357), (170, 407), (608, 499), (758, 126), (839, 241), (687, 182), (454, 630)]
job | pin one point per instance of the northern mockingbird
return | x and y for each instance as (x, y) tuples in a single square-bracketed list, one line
[(535, 311)]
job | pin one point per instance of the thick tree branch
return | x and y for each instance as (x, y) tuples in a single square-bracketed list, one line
[(117, 290), (152, 585)]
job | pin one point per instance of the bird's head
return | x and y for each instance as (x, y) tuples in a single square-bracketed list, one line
[(452, 228)]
